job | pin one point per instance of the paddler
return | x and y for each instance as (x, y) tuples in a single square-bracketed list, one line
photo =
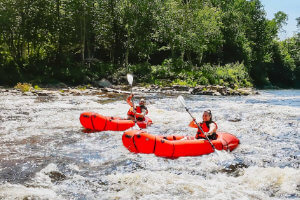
[(139, 111), (208, 126)]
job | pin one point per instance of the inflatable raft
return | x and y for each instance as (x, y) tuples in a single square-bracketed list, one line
[(138, 141), (97, 122)]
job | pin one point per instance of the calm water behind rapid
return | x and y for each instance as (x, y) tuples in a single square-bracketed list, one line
[(45, 155)]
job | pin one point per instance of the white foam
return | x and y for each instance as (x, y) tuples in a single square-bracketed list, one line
[(97, 165), (14, 191)]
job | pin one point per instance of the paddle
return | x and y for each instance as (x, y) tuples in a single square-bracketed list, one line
[(130, 81), (181, 101)]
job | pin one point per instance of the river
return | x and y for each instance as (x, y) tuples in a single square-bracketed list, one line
[(45, 154)]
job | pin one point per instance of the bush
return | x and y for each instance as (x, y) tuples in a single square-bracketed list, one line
[(234, 75), (163, 71), (142, 71), (203, 81), (82, 88), (188, 82), (36, 87), (24, 87)]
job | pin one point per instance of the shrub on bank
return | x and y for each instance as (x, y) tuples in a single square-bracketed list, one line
[(233, 75), (24, 87)]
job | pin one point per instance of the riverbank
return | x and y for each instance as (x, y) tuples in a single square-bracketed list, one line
[(214, 90), (62, 89)]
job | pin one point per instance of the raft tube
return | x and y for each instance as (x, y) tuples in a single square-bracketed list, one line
[(144, 124), (97, 122), (139, 141)]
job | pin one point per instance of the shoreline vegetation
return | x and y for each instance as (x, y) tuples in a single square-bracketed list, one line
[(229, 44)]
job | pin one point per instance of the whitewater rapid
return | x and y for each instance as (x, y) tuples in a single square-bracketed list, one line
[(45, 154)]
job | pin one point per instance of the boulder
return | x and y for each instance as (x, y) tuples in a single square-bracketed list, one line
[(216, 94), (167, 88), (60, 85), (181, 87), (198, 89), (234, 118), (103, 83), (208, 92), (56, 176), (217, 87), (245, 91)]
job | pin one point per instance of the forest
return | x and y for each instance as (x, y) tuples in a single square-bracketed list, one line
[(185, 42)]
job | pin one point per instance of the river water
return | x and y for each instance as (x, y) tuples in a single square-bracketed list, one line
[(45, 154)]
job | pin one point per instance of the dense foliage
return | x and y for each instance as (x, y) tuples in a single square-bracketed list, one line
[(227, 42)]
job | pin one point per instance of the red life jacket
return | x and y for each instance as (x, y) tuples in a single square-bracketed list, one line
[(138, 110), (205, 128)]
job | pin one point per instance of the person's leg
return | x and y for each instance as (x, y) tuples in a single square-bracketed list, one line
[(213, 136), (129, 117), (140, 119)]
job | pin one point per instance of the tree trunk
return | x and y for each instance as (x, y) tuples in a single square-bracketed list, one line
[(127, 49), (113, 42), (28, 50), (59, 47), (83, 32)]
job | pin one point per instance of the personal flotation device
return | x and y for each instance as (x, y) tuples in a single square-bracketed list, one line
[(205, 128), (138, 111)]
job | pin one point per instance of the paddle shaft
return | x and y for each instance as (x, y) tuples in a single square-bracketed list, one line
[(132, 100), (199, 127)]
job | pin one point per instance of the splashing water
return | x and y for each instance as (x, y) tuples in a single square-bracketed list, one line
[(45, 155)]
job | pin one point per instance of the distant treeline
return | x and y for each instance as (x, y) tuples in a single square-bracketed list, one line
[(226, 42)]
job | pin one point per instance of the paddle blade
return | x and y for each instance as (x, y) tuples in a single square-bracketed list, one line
[(181, 101), (130, 79)]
